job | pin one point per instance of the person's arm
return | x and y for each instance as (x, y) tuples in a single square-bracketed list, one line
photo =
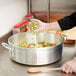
[(67, 22), (52, 26), (62, 24)]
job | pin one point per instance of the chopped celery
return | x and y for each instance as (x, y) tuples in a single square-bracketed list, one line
[(40, 44), (34, 25)]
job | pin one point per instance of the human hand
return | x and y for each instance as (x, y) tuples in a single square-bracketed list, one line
[(41, 26), (69, 67)]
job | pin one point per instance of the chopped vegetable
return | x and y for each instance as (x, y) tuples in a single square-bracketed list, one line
[(34, 25), (40, 44)]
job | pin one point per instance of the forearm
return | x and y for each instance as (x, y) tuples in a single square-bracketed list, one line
[(53, 26), (63, 24)]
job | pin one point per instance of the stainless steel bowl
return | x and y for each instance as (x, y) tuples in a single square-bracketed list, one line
[(35, 56)]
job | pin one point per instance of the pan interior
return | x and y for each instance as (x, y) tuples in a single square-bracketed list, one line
[(35, 38)]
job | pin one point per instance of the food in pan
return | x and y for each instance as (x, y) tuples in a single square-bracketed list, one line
[(40, 44)]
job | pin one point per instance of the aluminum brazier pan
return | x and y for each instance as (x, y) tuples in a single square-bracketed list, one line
[(35, 56)]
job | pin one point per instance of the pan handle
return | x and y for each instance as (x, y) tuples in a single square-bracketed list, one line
[(7, 46)]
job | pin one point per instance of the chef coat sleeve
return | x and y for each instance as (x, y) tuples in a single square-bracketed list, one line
[(68, 22)]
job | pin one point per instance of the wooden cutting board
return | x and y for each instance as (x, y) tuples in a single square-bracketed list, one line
[(71, 34)]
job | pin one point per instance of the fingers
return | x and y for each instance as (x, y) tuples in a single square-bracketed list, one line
[(66, 68), (29, 30), (36, 20), (29, 26), (39, 21), (74, 71), (74, 68), (36, 31), (41, 26), (69, 67), (39, 30)]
